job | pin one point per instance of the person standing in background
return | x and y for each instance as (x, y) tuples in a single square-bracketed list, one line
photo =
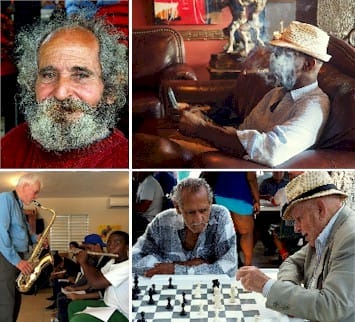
[(238, 192)]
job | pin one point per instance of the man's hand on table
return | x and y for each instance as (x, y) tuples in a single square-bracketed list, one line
[(160, 268), (252, 278)]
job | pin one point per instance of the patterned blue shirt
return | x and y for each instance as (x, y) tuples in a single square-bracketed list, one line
[(162, 242), (13, 230)]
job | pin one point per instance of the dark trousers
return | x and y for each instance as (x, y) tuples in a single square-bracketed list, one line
[(10, 297), (62, 307)]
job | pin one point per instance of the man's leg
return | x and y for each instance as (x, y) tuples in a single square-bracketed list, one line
[(80, 305), (9, 300)]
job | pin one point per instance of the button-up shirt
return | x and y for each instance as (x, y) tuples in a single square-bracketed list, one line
[(272, 136), (14, 236)]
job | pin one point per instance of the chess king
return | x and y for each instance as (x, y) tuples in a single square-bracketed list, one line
[(195, 237)]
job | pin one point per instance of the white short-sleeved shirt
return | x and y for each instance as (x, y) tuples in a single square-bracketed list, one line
[(116, 295), (150, 189)]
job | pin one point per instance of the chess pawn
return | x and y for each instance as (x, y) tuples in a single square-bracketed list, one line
[(201, 311), (198, 290), (232, 294)]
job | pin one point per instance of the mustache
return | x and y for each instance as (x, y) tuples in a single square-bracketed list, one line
[(199, 223)]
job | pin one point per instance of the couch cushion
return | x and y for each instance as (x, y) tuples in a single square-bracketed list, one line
[(339, 132)]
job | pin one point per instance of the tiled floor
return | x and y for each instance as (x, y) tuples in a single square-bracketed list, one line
[(33, 307)]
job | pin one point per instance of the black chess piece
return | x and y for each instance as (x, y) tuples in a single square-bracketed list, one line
[(169, 306), (170, 286), (150, 292), (215, 283), (183, 312), (142, 319), (183, 298), (153, 288), (136, 288), (134, 294)]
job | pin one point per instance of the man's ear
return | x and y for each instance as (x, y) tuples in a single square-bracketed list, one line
[(177, 208), (322, 209), (309, 63)]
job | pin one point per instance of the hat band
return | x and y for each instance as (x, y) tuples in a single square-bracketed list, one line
[(309, 193)]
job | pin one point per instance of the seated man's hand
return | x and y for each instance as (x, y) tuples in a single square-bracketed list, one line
[(252, 278), (190, 122), (161, 268), (193, 262)]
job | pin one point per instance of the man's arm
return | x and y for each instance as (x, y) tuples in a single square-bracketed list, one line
[(223, 138), (94, 276), (145, 253)]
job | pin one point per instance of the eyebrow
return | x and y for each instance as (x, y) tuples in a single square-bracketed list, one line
[(73, 69)]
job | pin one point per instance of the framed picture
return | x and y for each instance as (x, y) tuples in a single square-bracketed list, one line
[(185, 12), (105, 230)]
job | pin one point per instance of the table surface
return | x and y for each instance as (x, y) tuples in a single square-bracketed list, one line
[(189, 282)]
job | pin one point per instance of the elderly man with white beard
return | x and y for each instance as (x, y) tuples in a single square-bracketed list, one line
[(73, 78), (288, 119)]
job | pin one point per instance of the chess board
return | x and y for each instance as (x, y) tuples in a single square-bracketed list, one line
[(200, 305)]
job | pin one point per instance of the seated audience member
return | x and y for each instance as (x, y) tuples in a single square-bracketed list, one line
[(289, 119), (270, 186), (73, 78), (64, 273), (113, 277), (73, 245), (92, 243), (265, 219), (194, 238), (317, 282)]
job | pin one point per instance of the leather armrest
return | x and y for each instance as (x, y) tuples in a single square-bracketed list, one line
[(179, 71)]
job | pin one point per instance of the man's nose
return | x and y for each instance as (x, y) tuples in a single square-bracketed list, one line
[(296, 228), (63, 88)]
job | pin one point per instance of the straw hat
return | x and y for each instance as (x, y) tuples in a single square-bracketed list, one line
[(310, 184), (304, 38)]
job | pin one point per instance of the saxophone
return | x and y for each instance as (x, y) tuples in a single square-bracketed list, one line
[(25, 282)]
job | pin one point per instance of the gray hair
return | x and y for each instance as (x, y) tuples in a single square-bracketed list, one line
[(112, 54), (192, 185), (29, 178)]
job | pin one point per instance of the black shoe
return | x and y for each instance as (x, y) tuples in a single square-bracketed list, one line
[(52, 298), (52, 306)]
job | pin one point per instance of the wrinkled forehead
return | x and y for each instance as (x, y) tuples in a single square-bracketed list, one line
[(69, 34)]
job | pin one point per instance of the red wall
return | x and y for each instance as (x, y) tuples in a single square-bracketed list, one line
[(198, 52)]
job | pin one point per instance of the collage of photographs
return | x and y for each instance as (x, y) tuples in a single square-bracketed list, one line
[(177, 160)]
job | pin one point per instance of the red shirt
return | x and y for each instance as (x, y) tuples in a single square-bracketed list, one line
[(18, 150)]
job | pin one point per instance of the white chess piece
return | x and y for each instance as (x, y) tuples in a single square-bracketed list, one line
[(198, 290), (232, 294), (201, 312)]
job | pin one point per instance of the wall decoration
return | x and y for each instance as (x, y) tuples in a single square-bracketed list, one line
[(186, 12), (105, 230)]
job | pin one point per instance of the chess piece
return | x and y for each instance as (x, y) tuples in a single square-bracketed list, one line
[(170, 286), (150, 292), (215, 283), (153, 288), (136, 288), (142, 319), (169, 306), (184, 298), (183, 312), (134, 294), (198, 290), (232, 294), (201, 312)]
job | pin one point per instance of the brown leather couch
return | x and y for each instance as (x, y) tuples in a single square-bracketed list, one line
[(157, 54), (335, 148)]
